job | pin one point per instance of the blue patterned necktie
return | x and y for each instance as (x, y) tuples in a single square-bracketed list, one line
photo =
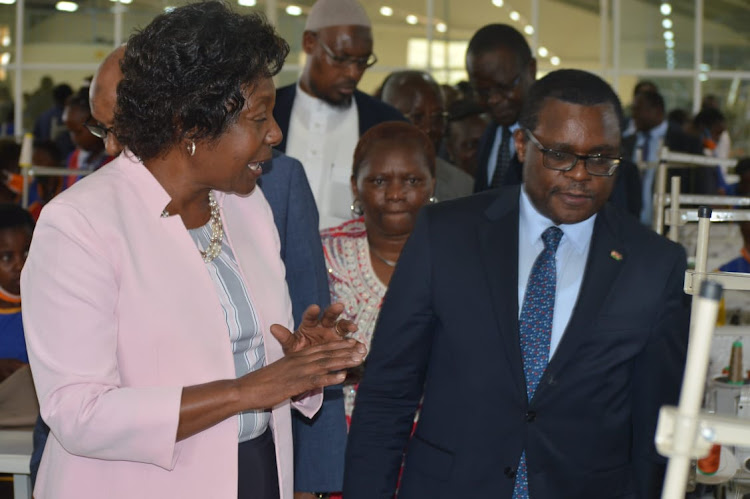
[(503, 159), (535, 327)]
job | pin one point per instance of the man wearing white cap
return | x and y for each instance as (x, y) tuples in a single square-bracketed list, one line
[(323, 114)]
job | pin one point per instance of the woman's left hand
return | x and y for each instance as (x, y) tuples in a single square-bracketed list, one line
[(314, 330)]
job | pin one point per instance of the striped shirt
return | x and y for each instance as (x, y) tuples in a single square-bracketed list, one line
[(242, 324)]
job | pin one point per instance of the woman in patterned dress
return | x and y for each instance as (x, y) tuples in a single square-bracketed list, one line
[(393, 176)]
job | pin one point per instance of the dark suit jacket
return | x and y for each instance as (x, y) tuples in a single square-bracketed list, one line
[(626, 192), (284, 183), (693, 180), (448, 328), (370, 110)]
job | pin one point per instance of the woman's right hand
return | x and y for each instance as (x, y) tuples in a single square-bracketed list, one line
[(299, 372)]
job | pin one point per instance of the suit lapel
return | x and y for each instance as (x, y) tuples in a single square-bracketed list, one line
[(485, 146), (498, 249), (602, 268)]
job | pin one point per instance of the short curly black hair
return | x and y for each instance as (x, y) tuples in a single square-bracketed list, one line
[(184, 74)]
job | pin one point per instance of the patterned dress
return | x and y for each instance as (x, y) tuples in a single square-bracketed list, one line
[(352, 281)]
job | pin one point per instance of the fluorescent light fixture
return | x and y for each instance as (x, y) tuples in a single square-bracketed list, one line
[(542, 51), (665, 8), (666, 23), (7, 2), (5, 58), (515, 15), (669, 44), (66, 6), (528, 29), (441, 27), (293, 10), (498, 3), (247, 3), (554, 60), (668, 35), (121, 1), (705, 67), (412, 19), (386, 11)]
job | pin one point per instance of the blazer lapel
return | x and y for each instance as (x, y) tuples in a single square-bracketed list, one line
[(485, 146), (498, 250), (603, 265)]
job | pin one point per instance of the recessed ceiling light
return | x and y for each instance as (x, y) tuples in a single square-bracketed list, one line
[(669, 44), (515, 15), (528, 29), (665, 9), (666, 23), (554, 60), (247, 3), (66, 6), (412, 19), (5, 58), (498, 3), (294, 10), (441, 27), (542, 51), (386, 11), (7, 2), (668, 35)]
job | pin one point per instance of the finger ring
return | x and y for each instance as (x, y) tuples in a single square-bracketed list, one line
[(339, 331)]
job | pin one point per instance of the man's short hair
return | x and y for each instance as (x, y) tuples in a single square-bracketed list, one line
[(643, 86), (496, 36), (568, 85), (653, 99)]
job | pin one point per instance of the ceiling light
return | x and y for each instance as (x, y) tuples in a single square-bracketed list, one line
[(247, 3), (705, 67), (554, 60), (497, 3), (66, 6), (669, 44), (703, 77), (542, 51), (386, 11), (121, 1), (293, 10), (668, 35), (441, 27), (528, 29), (7, 2), (666, 23), (5, 58), (670, 53), (665, 9), (515, 15), (412, 19), (6, 40), (169, 8)]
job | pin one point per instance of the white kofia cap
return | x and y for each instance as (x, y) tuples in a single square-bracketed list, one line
[(327, 13)]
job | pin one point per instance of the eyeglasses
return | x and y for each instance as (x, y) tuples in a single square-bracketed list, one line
[(97, 129), (595, 164), (434, 120), (339, 61), (499, 88)]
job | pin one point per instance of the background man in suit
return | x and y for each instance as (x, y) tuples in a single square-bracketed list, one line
[(501, 68), (418, 97), (323, 115), (542, 376), (651, 131)]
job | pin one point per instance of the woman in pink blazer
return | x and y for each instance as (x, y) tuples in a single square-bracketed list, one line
[(152, 286)]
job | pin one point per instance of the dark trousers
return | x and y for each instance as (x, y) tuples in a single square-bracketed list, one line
[(257, 477)]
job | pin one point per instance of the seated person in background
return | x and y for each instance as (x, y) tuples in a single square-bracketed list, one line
[(11, 182), (16, 226), (466, 124), (89, 153), (418, 97), (393, 176), (43, 189), (742, 188)]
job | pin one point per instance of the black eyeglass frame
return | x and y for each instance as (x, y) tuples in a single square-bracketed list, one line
[(546, 152), (97, 129), (362, 63)]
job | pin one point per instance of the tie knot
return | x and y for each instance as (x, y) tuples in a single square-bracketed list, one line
[(551, 238)]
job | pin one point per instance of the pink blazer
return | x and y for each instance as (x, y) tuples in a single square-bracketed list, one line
[(120, 314)]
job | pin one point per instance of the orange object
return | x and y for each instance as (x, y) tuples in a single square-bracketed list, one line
[(710, 464)]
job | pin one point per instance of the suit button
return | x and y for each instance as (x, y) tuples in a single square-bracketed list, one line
[(509, 472), (530, 416)]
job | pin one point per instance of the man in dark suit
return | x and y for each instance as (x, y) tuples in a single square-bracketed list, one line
[(501, 68), (323, 115), (541, 327), (652, 130)]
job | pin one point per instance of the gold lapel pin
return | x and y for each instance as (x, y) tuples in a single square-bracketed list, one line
[(615, 255)]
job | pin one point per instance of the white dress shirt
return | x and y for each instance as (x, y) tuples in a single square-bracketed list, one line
[(323, 137), (570, 261)]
